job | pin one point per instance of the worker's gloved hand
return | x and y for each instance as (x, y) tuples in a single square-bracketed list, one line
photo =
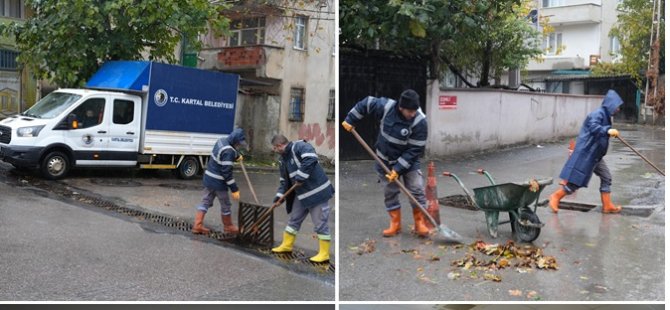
[(613, 133), (275, 199), (235, 195), (240, 158), (348, 127), (392, 176)]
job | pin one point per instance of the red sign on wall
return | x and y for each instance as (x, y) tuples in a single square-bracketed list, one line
[(448, 102)]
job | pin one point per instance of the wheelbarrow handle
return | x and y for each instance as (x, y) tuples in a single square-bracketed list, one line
[(269, 211), (468, 194), (487, 174), (387, 170)]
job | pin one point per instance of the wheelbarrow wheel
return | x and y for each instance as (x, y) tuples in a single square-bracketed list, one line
[(527, 233)]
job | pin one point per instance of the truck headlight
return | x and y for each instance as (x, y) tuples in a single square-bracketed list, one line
[(31, 131)]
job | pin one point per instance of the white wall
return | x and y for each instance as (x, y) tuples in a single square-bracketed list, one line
[(488, 119), (580, 40)]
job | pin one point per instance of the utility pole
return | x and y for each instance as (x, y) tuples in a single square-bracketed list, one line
[(653, 97)]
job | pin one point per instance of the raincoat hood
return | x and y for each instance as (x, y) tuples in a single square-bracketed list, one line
[(611, 102), (236, 137)]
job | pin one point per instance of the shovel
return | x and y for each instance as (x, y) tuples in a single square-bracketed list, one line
[(449, 234), (267, 213), (246, 176), (638, 154)]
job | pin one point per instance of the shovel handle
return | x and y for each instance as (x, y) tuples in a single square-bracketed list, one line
[(246, 176), (641, 156), (386, 169), (269, 211)]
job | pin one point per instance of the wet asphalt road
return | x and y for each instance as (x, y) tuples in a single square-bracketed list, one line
[(160, 192), (600, 257), (57, 250)]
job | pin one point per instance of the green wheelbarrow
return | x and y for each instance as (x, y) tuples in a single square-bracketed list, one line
[(513, 198)]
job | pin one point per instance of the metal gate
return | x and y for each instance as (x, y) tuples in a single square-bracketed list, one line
[(379, 74)]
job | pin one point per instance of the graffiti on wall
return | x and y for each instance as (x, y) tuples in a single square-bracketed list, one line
[(313, 132)]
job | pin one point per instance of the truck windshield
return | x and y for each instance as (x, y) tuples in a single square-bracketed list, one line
[(52, 105)]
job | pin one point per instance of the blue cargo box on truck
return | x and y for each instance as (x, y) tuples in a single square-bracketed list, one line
[(185, 110)]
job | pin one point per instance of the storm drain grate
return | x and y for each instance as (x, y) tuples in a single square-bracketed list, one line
[(247, 217), (300, 257), (572, 206), (289, 259), (116, 182), (181, 186)]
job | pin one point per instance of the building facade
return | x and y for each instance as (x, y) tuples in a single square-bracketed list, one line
[(18, 89), (284, 52), (580, 39)]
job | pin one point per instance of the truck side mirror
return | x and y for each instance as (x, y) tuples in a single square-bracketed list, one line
[(72, 121)]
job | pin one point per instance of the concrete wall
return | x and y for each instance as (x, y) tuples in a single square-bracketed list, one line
[(489, 119), (313, 70)]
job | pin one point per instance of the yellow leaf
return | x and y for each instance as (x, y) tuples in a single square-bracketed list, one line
[(417, 29)]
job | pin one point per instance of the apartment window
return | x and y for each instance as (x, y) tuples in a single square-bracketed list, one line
[(331, 106), (297, 105), (615, 46), (11, 8), (552, 3), (552, 43), (248, 31), (8, 59), (300, 34)]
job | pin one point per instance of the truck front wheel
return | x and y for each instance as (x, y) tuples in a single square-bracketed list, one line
[(55, 165), (188, 168)]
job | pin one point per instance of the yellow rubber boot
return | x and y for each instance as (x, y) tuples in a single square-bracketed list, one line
[(324, 252), (286, 244)]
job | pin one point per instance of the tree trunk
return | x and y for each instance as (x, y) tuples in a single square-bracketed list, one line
[(486, 65), (434, 59)]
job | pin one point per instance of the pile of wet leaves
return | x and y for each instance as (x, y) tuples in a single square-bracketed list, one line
[(488, 258), (367, 247)]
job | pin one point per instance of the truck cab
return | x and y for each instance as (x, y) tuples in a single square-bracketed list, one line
[(74, 128)]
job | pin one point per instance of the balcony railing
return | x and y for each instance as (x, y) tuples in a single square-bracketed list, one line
[(587, 13)]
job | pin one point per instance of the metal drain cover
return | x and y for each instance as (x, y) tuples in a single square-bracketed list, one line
[(116, 182), (181, 186), (248, 215)]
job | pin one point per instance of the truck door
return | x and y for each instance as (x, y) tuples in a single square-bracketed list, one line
[(124, 131), (89, 138)]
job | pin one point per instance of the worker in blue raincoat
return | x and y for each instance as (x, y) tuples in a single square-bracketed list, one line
[(401, 141), (587, 157), (299, 165), (218, 179)]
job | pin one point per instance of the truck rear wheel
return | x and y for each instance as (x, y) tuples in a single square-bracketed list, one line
[(55, 165), (189, 168)]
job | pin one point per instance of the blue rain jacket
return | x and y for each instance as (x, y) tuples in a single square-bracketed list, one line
[(592, 142), (219, 173), (401, 142)]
